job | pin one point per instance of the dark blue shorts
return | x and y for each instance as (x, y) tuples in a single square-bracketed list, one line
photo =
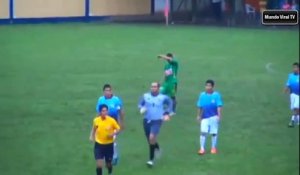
[(104, 151), (152, 127)]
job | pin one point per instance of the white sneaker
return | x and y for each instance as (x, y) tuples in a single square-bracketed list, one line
[(150, 163), (172, 114)]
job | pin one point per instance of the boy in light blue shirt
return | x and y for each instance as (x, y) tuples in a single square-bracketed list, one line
[(292, 87), (115, 110), (209, 106)]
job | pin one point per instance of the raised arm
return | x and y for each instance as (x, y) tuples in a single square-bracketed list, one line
[(164, 57)]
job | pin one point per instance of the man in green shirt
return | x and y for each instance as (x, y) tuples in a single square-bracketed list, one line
[(169, 86)]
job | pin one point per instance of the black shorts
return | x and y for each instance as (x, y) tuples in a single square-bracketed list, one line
[(104, 151)]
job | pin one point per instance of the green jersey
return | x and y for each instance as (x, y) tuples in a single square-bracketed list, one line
[(171, 69)]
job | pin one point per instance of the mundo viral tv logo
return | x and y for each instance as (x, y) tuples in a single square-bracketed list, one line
[(280, 17)]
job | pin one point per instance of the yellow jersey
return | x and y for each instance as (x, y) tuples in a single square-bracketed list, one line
[(104, 128)]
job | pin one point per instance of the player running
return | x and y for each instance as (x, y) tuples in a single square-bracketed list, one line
[(169, 86), (152, 106), (292, 87), (103, 132), (115, 110), (209, 114)]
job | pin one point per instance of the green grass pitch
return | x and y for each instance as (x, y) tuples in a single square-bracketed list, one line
[(52, 75)]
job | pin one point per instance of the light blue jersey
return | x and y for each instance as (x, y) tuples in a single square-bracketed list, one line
[(209, 103), (293, 83), (114, 105), (156, 106)]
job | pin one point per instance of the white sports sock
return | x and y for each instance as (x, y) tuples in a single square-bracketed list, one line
[(293, 118), (202, 141), (214, 141), (115, 151)]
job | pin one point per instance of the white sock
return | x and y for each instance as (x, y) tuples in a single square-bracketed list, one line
[(115, 151), (214, 141), (202, 141), (297, 119), (293, 118)]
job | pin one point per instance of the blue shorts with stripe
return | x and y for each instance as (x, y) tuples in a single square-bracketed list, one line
[(152, 127)]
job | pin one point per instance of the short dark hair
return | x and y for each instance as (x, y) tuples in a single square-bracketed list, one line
[(296, 64), (169, 55), (106, 86), (211, 82), (102, 107)]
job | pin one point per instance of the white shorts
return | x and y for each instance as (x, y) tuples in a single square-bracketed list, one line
[(210, 125), (294, 101)]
